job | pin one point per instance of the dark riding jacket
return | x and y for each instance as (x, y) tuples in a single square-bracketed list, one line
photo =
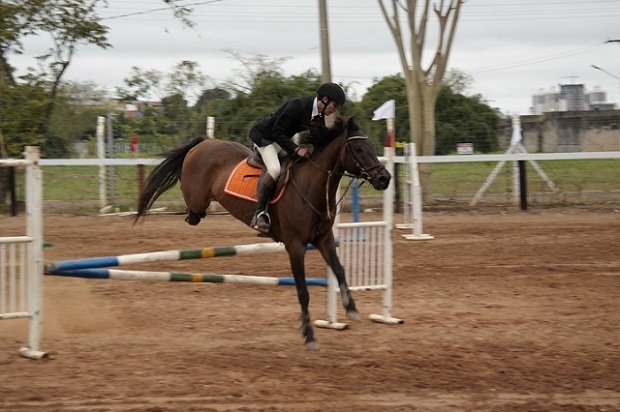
[(290, 118)]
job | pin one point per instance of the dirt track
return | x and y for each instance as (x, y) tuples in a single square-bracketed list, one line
[(503, 312)]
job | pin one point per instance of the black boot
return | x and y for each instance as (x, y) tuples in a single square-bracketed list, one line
[(261, 220)]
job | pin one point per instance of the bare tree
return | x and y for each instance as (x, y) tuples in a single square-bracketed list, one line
[(187, 80), (423, 83), (253, 67)]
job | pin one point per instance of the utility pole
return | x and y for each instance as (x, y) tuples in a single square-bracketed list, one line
[(326, 71), (617, 78), (609, 74)]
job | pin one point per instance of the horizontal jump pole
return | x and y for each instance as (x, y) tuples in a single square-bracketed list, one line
[(168, 255), (94, 273)]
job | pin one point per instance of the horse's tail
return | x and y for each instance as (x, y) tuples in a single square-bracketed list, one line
[(163, 177)]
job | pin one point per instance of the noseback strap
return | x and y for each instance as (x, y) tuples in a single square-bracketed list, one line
[(357, 137)]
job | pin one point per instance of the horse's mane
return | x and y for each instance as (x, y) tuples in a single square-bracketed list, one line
[(319, 135)]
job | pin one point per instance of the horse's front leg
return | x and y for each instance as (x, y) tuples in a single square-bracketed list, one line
[(327, 247), (297, 254)]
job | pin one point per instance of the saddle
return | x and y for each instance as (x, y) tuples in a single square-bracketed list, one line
[(243, 181)]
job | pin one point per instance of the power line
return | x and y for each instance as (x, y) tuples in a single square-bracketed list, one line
[(536, 60), (120, 16)]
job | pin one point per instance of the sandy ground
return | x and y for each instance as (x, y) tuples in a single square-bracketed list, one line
[(503, 312)]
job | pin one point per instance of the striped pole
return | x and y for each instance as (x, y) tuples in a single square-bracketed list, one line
[(168, 255), (97, 273)]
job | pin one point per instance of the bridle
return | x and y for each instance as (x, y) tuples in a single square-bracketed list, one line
[(363, 173)]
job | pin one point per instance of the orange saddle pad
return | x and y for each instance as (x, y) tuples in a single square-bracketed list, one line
[(243, 183)]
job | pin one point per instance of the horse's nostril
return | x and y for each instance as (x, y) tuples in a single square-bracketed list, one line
[(382, 182)]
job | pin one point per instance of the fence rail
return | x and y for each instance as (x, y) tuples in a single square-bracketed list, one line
[(586, 178)]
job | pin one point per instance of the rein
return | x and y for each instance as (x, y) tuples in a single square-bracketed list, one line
[(364, 174)]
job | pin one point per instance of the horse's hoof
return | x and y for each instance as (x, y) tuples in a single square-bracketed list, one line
[(353, 315), (193, 219), (313, 345)]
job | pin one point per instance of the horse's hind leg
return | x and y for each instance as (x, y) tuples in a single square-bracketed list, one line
[(195, 212), (196, 207), (193, 218)]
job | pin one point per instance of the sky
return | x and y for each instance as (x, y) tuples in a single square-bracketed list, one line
[(511, 49)]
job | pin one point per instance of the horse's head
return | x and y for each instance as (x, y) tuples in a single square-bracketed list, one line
[(359, 157), (352, 151)]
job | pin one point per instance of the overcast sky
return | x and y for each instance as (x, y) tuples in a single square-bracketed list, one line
[(511, 48)]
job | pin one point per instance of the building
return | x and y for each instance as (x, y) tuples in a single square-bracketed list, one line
[(571, 131), (570, 97)]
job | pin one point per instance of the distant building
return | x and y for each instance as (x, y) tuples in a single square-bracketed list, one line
[(597, 100), (136, 108), (546, 101), (570, 97)]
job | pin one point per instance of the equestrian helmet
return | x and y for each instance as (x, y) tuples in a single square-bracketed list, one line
[(332, 91)]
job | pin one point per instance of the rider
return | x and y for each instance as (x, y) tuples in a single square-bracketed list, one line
[(274, 133)]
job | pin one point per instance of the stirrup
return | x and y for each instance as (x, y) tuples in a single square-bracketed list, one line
[(262, 222)]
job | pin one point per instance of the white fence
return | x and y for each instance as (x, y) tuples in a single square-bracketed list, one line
[(21, 259), (365, 251), (460, 191)]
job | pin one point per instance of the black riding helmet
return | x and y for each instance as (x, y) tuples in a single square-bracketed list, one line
[(333, 92)]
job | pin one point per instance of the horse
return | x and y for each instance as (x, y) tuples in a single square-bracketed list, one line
[(304, 213)]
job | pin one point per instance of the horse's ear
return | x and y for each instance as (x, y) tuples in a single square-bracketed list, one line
[(353, 125)]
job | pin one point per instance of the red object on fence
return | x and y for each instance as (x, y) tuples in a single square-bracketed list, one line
[(389, 141), (133, 146)]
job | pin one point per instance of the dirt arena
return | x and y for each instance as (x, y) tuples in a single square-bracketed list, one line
[(503, 312)]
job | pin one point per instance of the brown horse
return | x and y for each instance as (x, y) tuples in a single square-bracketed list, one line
[(305, 211)]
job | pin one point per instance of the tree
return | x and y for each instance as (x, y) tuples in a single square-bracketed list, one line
[(269, 91), (16, 21), (460, 118), (77, 108), (187, 80), (68, 23), (384, 89), (141, 83), (19, 105), (465, 119), (253, 67), (175, 90), (210, 103), (27, 104), (423, 83), (258, 88)]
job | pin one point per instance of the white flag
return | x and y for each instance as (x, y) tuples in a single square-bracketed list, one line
[(386, 111)]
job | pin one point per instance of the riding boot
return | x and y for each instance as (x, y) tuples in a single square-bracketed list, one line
[(261, 220)]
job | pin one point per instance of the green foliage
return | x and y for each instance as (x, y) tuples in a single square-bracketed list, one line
[(210, 102), (459, 118), (22, 109), (236, 116), (465, 119), (77, 107), (387, 88), (27, 108)]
